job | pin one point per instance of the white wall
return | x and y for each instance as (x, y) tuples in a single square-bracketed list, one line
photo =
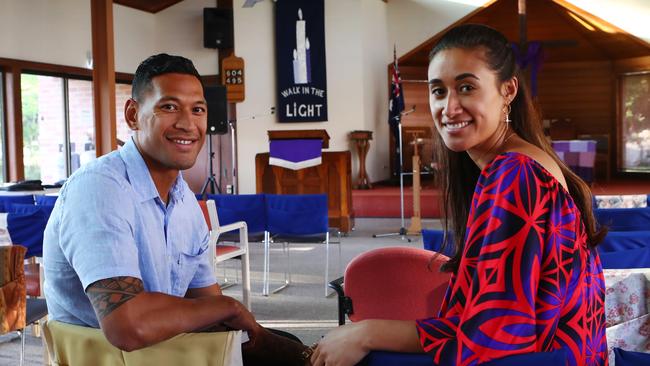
[(359, 35), (412, 22), (59, 32), (179, 30), (375, 58), (134, 37), (34, 30), (344, 80)]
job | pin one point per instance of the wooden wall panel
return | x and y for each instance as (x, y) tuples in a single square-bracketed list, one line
[(580, 91)]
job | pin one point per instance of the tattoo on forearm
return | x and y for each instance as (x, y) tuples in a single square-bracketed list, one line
[(109, 294)]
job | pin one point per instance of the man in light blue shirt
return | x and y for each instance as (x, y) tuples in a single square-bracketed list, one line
[(126, 246)]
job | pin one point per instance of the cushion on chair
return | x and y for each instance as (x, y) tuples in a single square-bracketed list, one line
[(383, 358), (225, 249), (73, 345), (398, 283), (36, 310), (630, 358), (12, 288)]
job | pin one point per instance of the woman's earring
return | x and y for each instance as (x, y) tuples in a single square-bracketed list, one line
[(508, 108)]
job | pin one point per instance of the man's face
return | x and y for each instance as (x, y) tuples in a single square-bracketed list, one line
[(169, 122)]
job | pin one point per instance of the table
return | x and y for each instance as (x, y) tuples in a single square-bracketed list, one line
[(362, 141), (45, 192), (627, 300)]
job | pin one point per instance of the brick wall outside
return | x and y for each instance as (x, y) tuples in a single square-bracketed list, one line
[(44, 158), (122, 94), (48, 163)]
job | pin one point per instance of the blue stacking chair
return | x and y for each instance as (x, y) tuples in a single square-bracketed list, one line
[(298, 219), (232, 209), (624, 219), (433, 240), (630, 358), (624, 240), (625, 259), (6, 202), (26, 229), (241, 207)]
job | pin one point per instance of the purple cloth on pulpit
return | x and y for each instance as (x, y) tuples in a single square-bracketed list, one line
[(295, 154)]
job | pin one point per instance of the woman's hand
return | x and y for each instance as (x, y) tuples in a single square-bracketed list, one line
[(343, 346)]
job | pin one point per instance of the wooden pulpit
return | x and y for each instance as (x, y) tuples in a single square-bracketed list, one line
[(332, 177)]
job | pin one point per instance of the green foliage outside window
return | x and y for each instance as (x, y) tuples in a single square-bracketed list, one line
[(29, 88)]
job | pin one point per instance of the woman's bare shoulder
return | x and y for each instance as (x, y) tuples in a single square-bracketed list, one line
[(543, 158)]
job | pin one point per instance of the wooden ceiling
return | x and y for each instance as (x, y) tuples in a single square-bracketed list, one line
[(151, 6), (568, 32)]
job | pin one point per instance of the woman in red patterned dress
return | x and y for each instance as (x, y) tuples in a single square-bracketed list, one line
[(526, 276)]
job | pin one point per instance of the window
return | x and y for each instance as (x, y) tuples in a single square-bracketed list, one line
[(58, 127), (635, 126), (122, 94), (2, 132), (82, 123)]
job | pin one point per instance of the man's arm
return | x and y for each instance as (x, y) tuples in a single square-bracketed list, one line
[(132, 318), (194, 293)]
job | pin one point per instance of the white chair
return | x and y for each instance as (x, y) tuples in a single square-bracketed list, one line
[(224, 252)]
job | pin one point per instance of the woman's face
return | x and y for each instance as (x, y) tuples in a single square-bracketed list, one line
[(466, 104)]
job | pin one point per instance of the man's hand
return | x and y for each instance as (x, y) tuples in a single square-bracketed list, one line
[(343, 346)]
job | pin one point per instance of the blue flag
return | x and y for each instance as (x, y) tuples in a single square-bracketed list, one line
[(396, 101), (395, 108)]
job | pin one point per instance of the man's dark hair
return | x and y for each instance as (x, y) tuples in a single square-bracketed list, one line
[(158, 65)]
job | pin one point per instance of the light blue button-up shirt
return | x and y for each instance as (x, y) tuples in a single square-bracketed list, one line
[(109, 221)]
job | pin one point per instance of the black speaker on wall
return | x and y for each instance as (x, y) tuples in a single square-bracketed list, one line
[(217, 28), (217, 110)]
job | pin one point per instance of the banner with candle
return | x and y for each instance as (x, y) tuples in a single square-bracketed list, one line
[(300, 60)]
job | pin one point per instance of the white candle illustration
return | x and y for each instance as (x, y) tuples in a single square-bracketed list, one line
[(300, 53), (308, 60)]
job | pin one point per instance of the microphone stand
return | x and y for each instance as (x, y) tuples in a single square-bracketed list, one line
[(211, 180), (233, 147), (402, 230)]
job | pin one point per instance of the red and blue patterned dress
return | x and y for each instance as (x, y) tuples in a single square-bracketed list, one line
[(527, 281)]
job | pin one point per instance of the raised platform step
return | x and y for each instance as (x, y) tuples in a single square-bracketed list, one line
[(385, 202)]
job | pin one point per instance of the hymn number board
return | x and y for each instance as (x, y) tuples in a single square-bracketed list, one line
[(232, 77)]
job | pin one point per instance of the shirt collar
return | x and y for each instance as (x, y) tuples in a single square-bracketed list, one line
[(140, 177)]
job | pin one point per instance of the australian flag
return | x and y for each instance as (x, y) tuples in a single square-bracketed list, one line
[(395, 108)]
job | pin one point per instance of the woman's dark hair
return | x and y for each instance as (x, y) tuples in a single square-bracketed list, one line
[(156, 65), (457, 184)]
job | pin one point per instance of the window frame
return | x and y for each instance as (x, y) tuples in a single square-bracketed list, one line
[(12, 120), (66, 113), (620, 142), (3, 127)]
